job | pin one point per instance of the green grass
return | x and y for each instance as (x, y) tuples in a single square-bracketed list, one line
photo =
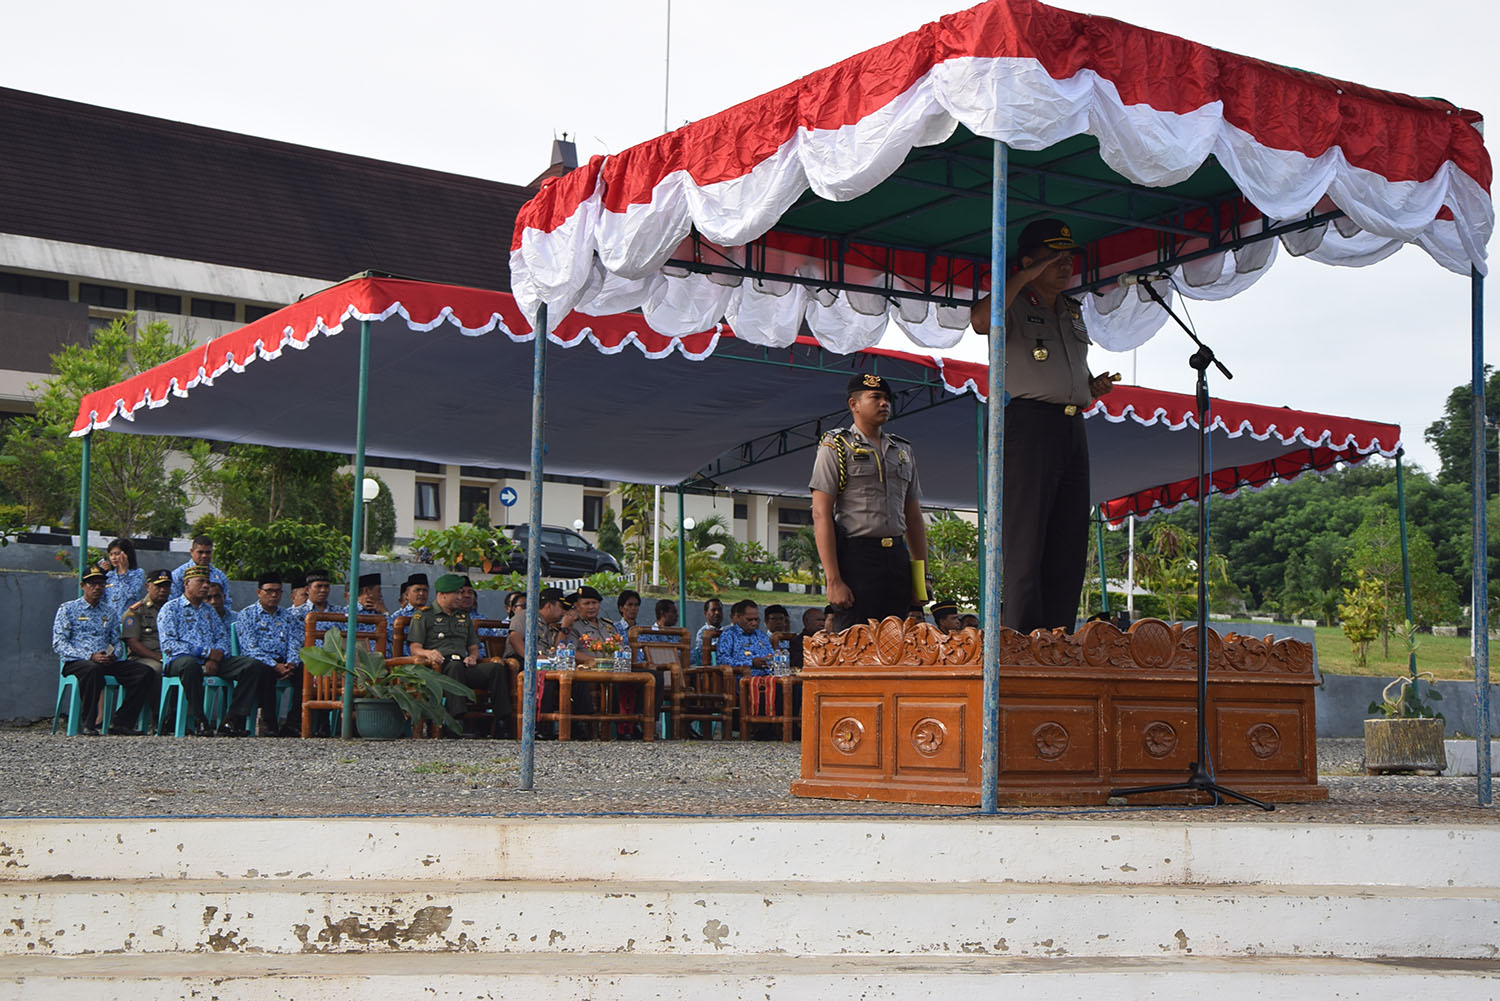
[(1447, 657)]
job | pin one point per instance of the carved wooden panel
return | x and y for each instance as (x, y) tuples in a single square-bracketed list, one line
[(1053, 738), (932, 736), (849, 734), (1150, 737), (1258, 739)]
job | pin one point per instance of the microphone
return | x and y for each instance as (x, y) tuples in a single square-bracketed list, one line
[(1125, 281)]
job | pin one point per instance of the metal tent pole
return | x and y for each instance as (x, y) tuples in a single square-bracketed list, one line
[(1099, 550), (356, 530), (83, 509), (993, 490), (1411, 658), (1481, 586), (981, 485), (534, 548), (681, 560)]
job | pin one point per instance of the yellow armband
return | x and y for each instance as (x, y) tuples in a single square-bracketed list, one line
[(919, 581)]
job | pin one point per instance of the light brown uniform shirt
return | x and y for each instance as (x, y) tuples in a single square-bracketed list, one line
[(1058, 328), (879, 479)]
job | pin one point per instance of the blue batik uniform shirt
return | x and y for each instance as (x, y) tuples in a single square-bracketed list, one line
[(739, 648), (186, 631), (80, 630), (273, 637), (123, 590), (215, 576)]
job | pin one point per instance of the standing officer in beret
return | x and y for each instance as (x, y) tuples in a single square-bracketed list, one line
[(867, 512), (1044, 536), (444, 637)]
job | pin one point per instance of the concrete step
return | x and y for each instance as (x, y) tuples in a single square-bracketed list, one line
[(464, 977), (290, 917), (944, 851)]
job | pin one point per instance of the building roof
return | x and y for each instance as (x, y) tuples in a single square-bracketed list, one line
[(88, 175)]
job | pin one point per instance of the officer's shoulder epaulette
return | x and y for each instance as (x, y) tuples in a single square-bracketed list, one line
[(1074, 309), (897, 437), (135, 605), (831, 438)]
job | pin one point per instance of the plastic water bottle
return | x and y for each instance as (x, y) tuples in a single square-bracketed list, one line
[(622, 659), (565, 659), (781, 663)]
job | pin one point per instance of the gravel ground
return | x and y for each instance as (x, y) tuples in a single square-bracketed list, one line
[(56, 776)]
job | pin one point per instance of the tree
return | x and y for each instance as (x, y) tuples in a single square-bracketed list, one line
[(1360, 614), (1375, 555), (380, 527), (1451, 435), (609, 534), (262, 484), (133, 487), (244, 550)]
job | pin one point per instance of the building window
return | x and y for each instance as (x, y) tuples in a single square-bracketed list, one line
[(741, 511), (470, 500), (213, 309), (35, 285), (795, 516), (593, 512), (158, 302), (109, 296), (428, 508), (253, 313)]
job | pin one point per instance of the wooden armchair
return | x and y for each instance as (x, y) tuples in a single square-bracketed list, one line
[(696, 694), (770, 700), (327, 693)]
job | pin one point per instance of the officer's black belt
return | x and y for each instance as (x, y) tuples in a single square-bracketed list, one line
[(874, 541), (1065, 409)]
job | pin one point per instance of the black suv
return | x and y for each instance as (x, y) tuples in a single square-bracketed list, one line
[(565, 553)]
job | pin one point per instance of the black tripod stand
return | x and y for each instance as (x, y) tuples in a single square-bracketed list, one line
[(1198, 777)]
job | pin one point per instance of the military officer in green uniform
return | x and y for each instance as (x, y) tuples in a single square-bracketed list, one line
[(138, 624), (867, 512), (443, 635)]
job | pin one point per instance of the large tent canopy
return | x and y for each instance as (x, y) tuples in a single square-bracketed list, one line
[(450, 377), (860, 194)]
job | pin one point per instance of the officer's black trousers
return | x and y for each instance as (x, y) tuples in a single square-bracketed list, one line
[(138, 680), (879, 576), (1046, 516)]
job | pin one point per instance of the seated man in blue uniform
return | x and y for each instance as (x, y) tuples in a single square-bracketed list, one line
[(84, 633), (272, 635), (194, 645)]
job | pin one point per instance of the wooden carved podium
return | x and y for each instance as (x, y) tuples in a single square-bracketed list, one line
[(892, 711)]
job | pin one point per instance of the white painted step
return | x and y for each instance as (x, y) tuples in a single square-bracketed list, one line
[(833, 851), (467, 977), (744, 919)]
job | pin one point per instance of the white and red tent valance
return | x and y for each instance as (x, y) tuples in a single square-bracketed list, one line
[(450, 382), (1399, 169)]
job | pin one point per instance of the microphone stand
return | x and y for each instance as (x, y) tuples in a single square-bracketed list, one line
[(1198, 779)]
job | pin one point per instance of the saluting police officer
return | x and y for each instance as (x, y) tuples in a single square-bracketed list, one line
[(867, 513), (1044, 535), (444, 637)]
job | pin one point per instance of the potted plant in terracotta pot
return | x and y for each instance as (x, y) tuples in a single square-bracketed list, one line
[(1407, 736), (387, 692)]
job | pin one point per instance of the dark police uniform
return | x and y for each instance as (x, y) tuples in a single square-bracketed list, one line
[(1044, 536), (870, 485), (452, 634)]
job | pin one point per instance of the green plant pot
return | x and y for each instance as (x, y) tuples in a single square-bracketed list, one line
[(1404, 745), (379, 719)]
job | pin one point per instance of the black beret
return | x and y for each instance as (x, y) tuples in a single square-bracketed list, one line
[(588, 592), (550, 594)]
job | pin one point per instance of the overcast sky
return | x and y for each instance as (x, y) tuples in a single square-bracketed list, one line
[(481, 88)]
